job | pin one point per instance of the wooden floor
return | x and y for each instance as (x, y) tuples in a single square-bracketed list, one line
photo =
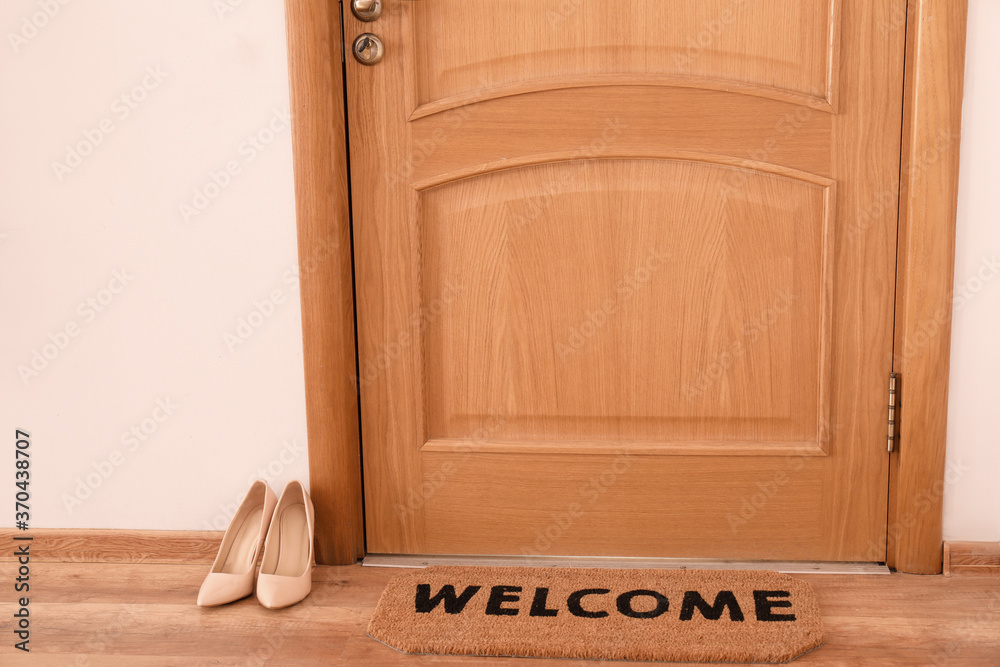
[(137, 614)]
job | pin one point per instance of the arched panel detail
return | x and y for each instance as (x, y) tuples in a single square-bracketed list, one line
[(568, 258), (733, 87), (710, 45), (569, 156)]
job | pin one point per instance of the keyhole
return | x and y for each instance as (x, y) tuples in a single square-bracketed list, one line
[(368, 49)]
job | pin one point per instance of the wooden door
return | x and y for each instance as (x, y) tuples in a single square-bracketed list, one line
[(625, 275)]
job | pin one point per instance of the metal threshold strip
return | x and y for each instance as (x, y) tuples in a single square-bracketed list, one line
[(788, 567)]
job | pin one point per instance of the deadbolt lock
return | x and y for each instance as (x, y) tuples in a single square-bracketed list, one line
[(368, 49), (366, 10)]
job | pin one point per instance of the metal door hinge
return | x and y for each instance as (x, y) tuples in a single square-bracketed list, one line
[(893, 410)]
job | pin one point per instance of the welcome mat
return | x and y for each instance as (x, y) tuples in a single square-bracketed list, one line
[(604, 614)]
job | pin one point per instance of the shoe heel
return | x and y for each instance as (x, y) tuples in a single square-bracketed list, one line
[(234, 571)]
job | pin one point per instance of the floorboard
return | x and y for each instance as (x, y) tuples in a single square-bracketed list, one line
[(97, 614)]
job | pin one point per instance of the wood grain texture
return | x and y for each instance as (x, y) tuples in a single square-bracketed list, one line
[(972, 558), (630, 250), (711, 44), (139, 615), (323, 212), (489, 231), (116, 546), (926, 267)]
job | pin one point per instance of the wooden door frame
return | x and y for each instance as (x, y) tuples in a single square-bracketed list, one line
[(928, 200), (319, 144), (932, 115)]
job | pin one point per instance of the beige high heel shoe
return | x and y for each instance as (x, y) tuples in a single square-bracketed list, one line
[(232, 575), (286, 568)]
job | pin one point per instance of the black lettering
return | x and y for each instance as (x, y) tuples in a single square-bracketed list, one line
[(625, 604), (452, 604), (538, 607), (765, 605), (576, 597), (499, 595), (693, 600)]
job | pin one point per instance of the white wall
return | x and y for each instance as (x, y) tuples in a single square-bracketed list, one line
[(167, 93), (224, 78), (972, 500)]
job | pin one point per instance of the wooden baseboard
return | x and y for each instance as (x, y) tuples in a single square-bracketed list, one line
[(972, 558), (71, 545)]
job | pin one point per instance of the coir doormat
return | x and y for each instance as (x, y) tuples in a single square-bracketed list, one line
[(668, 615)]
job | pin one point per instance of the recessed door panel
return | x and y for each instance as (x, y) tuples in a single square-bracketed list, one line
[(690, 291), (472, 50)]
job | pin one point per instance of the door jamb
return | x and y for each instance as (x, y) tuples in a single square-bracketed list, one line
[(925, 271), (932, 114), (319, 145)]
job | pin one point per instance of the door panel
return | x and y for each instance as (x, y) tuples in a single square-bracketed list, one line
[(457, 51), (625, 276), (579, 270)]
